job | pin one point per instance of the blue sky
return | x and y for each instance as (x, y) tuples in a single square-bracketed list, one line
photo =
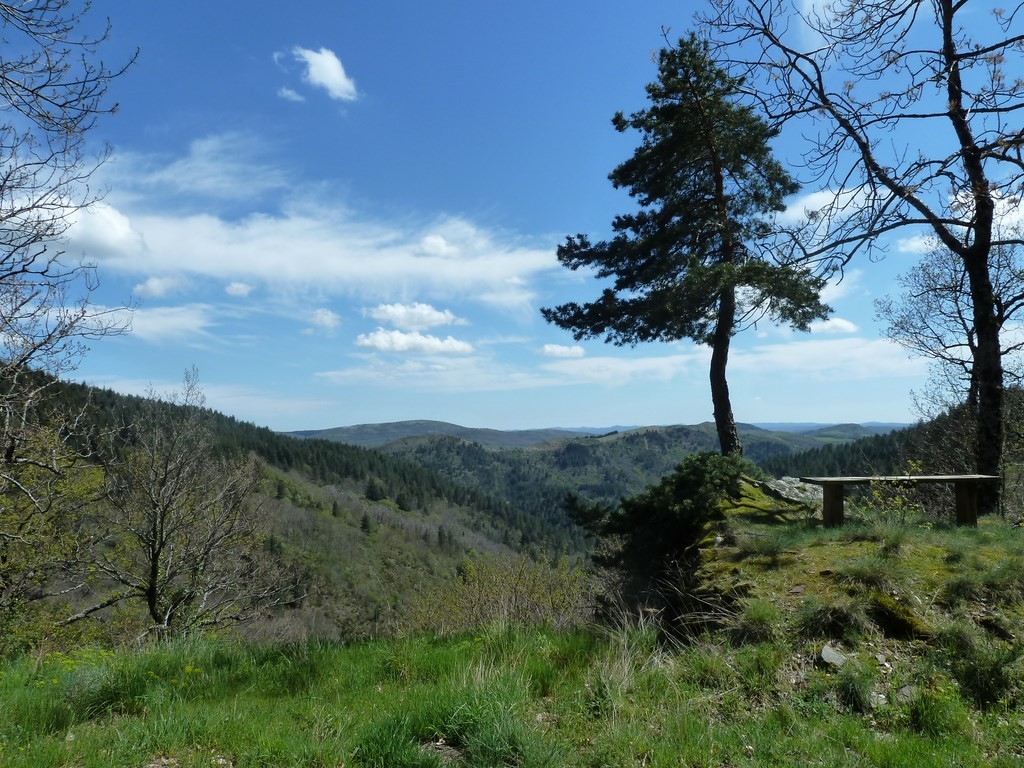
[(347, 213)]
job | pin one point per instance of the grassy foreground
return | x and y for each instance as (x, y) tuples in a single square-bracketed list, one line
[(500, 698), (894, 641)]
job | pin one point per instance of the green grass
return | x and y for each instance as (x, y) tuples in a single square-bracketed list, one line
[(929, 619), (497, 698)]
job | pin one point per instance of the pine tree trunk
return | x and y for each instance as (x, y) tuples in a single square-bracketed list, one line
[(725, 423)]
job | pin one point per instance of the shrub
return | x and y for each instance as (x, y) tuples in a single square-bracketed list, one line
[(871, 572), (707, 666), (651, 536), (964, 587), (986, 670), (759, 667), (1005, 582), (506, 590)]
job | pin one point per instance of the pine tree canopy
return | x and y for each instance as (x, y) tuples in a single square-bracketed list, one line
[(707, 187)]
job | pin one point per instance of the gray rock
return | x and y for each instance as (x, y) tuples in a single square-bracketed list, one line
[(830, 657)]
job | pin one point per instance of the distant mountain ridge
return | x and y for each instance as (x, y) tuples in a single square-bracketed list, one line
[(380, 435), (377, 435)]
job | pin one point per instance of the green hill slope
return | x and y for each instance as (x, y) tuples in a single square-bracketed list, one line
[(372, 528)]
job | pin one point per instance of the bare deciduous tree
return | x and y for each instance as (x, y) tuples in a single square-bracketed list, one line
[(183, 536), (932, 317), (911, 112), (53, 88)]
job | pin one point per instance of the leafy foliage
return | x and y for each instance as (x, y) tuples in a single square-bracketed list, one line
[(651, 535)]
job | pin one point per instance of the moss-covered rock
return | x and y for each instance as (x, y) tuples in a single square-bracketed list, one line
[(896, 618)]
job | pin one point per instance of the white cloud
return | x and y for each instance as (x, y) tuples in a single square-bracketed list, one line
[(513, 293), (1009, 215), (436, 245), (155, 287), (439, 374), (828, 359), (816, 214), (413, 343), (324, 70), (837, 360), (834, 325), (222, 167), (289, 95), (810, 202), (325, 318), (341, 254), (919, 243), (240, 290), (160, 324), (413, 317), (618, 371), (344, 252), (560, 350), (102, 230)]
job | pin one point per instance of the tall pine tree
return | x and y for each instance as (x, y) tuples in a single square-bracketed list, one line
[(685, 264)]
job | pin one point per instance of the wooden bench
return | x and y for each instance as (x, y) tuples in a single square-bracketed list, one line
[(965, 487)]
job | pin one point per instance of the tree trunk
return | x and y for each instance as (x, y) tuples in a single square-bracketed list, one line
[(988, 361), (725, 423), (988, 377)]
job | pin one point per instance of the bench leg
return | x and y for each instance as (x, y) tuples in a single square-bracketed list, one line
[(966, 503), (832, 505)]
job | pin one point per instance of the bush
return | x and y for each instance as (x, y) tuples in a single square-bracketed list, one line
[(651, 536), (987, 671), (509, 591)]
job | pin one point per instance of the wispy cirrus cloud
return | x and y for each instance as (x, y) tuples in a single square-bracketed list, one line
[(192, 322), (290, 95), (854, 358), (343, 253), (230, 166)]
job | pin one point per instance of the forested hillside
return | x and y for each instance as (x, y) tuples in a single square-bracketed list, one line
[(357, 533), (603, 468), (377, 435), (410, 485), (373, 527), (875, 455)]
